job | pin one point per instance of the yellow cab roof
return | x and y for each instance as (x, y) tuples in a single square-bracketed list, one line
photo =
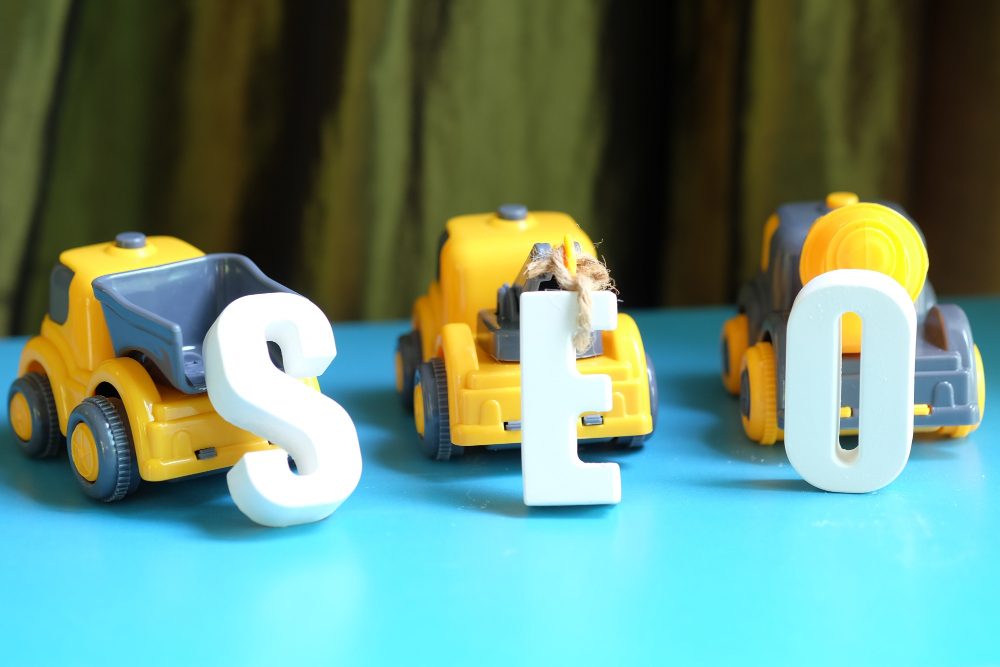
[(484, 251), (537, 227), (101, 259)]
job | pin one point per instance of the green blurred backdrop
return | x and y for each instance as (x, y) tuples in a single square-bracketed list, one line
[(329, 141)]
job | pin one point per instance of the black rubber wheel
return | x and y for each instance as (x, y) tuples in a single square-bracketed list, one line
[(745, 398), (433, 382), (117, 472), (408, 358), (38, 413), (637, 441)]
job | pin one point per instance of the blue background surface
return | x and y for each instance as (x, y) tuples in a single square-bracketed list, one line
[(717, 553)]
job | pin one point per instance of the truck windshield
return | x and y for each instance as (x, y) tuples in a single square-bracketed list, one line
[(59, 282)]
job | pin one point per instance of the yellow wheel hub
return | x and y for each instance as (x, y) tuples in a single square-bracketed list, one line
[(418, 408), (735, 338), (83, 451), (761, 424), (20, 417)]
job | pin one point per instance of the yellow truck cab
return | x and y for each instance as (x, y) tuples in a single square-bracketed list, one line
[(116, 372), (458, 369)]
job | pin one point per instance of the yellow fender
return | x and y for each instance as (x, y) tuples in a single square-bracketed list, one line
[(459, 351), (423, 322), (628, 343), (138, 393), (628, 347), (41, 356)]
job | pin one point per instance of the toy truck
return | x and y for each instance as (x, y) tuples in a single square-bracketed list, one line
[(458, 368), (116, 374), (803, 240)]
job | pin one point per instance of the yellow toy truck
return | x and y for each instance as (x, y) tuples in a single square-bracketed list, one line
[(803, 240), (458, 368), (116, 373)]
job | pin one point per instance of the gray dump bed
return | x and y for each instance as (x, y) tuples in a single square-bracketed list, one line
[(163, 313)]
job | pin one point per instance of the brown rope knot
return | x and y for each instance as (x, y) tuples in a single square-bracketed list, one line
[(591, 275)]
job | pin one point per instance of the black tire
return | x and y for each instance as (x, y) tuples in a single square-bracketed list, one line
[(117, 469), (408, 358), (638, 441), (433, 381), (45, 440)]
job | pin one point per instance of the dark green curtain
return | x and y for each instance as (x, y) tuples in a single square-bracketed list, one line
[(330, 141)]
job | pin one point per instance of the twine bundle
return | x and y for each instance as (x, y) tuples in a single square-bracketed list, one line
[(591, 276)]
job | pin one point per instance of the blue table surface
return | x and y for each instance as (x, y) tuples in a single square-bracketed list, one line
[(717, 553)]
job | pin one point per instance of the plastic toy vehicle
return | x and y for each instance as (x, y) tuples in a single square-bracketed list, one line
[(803, 240), (458, 368), (117, 367)]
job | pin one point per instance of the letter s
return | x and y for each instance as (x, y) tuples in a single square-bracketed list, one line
[(249, 391)]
